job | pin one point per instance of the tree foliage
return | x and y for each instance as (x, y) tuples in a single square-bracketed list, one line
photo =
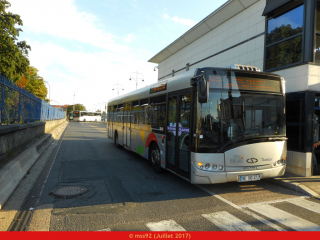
[(77, 106), (33, 83), (286, 52), (13, 53)]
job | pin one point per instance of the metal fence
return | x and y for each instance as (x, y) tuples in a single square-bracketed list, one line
[(20, 106)]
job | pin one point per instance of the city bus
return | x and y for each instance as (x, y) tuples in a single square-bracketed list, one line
[(85, 116), (207, 125), (70, 115)]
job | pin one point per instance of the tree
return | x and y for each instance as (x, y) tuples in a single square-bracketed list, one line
[(33, 83), (13, 54), (77, 106)]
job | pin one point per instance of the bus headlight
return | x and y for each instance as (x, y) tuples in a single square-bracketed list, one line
[(281, 162), (208, 166)]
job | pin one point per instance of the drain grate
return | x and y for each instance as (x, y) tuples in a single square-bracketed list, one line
[(69, 191)]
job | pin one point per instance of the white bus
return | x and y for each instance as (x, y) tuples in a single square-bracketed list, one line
[(85, 116), (208, 125)]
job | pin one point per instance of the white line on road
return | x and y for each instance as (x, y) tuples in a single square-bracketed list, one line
[(261, 219), (312, 206), (273, 201), (166, 225), (285, 218), (228, 222)]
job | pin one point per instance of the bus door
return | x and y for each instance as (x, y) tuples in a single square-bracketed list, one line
[(178, 130), (127, 126)]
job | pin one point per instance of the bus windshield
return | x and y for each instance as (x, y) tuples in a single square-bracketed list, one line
[(230, 116)]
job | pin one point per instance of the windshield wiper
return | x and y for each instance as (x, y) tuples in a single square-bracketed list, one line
[(234, 140)]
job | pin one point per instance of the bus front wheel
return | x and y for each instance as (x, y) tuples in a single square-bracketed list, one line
[(155, 158), (84, 119)]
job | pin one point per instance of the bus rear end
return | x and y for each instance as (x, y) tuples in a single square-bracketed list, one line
[(76, 116)]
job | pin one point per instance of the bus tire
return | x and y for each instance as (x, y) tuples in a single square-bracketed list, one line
[(95, 120), (116, 140), (155, 158), (84, 119)]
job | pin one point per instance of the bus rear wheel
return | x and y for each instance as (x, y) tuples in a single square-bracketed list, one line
[(84, 119), (155, 158)]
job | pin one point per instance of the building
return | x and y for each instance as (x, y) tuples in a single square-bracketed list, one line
[(278, 36), (62, 107)]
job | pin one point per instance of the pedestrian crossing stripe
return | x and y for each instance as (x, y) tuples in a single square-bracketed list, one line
[(228, 222), (285, 218), (312, 206), (166, 225)]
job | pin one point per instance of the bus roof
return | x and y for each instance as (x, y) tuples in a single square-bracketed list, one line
[(179, 82)]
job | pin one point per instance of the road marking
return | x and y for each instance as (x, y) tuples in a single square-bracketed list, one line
[(166, 225), (312, 206), (285, 218), (228, 222), (107, 229), (273, 201), (261, 219)]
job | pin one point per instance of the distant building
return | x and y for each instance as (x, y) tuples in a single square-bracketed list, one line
[(63, 107)]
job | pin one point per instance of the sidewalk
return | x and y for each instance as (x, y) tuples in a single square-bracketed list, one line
[(305, 185)]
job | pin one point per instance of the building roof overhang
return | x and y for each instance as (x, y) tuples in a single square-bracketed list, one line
[(219, 16), (272, 5)]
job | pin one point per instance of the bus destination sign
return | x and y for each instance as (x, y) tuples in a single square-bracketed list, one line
[(244, 83), (160, 88)]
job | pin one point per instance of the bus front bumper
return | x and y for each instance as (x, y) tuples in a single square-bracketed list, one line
[(206, 177)]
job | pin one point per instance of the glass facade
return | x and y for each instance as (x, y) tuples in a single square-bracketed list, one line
[(284, 39), (317, 35)]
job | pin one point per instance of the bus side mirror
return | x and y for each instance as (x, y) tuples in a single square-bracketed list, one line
[(202, 88)]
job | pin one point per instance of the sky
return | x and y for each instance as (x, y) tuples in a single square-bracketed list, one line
[(84, 49)]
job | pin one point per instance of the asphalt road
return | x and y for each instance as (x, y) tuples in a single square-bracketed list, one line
[(122, 192)]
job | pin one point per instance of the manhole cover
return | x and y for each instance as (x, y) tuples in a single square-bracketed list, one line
[(69, 191)]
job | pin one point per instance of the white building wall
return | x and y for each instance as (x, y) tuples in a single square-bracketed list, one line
[(237, 29), (301, 78)]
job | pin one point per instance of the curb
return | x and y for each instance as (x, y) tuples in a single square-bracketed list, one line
[(297, 187), (12, 174)]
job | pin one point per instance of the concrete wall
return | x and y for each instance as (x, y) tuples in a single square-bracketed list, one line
[(301, 78), (237, 29), (299, 163), (13, 136)]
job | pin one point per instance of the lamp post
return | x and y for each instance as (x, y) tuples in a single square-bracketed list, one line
[(73, 100), (118, 87), (137, 73), (49, 90)]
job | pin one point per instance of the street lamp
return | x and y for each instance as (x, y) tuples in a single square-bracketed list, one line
[(118, 87), (49, 89), (73, 100), (137, 78)]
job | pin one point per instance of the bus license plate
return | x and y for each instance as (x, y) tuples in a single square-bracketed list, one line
[(249, 178)]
